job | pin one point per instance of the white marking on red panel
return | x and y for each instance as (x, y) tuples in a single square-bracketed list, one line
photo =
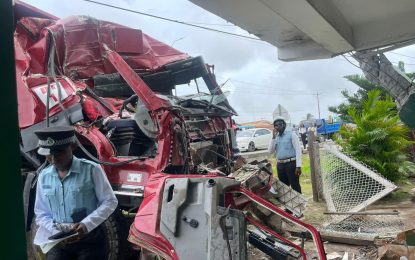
[(42, 90)]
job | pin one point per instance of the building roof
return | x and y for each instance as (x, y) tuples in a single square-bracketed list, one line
[(304, 30), (259, 124)]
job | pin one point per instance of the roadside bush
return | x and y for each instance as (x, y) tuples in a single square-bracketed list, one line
[(379, 139)]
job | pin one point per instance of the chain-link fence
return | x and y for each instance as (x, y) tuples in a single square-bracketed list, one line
[(349, 187)]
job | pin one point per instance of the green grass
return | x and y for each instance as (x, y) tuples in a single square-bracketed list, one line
[(305, 179), (401, 195)]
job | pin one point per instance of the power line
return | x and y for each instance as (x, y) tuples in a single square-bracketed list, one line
[(269, 91), (406, 64), (265, 90), (172, 20), (260, 86), (274, 93), (214, 24), (401, 55)]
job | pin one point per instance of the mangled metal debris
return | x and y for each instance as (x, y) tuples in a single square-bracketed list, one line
[(257, 174), (289, 198)]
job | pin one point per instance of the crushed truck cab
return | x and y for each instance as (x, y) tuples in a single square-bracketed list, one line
[(168, 158)]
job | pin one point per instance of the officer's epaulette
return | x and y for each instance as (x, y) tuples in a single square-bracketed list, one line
[(83, 160)]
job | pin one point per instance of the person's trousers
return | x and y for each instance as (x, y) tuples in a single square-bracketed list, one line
[(286, 174), (92, 246), (304, 140)]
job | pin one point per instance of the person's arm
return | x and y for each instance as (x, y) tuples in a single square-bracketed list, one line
[(296, 144), (271, 146), (43, 213), (107, 202)]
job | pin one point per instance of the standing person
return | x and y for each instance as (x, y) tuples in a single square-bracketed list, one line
[(303, 134), (72, 194), (286, 146)]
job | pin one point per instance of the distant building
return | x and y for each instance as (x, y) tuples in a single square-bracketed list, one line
[(258, 124)]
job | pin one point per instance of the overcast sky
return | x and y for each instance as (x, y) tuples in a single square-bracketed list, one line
[(260, 80)]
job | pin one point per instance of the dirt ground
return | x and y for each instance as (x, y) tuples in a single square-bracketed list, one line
[(401, 200), (407, 214)]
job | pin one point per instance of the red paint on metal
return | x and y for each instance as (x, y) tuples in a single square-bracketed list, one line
[(128, 40), (268, 205), (33, 43), (145, 94)]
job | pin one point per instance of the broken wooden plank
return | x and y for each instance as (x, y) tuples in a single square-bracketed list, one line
[(330, 237)]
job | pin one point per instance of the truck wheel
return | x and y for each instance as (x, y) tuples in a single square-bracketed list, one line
[(112, 242)]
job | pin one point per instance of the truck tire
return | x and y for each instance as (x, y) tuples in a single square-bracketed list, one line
[(112, 243)]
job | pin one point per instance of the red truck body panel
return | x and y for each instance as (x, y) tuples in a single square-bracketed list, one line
[(60, 63)]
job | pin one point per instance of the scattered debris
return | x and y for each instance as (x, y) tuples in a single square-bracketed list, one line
[(402, 246), (254, 175), (393, 252), (334, 256), (345, 256), (289, 198)]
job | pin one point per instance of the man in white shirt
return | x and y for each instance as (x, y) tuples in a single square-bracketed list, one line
[(286, 147)]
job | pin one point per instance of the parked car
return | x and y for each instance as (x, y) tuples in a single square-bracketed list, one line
[(252, 139)]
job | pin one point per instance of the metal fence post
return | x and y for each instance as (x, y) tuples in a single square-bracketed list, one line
[(312, 147)]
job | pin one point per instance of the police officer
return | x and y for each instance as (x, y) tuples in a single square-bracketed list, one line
[(286, 146), (72, 195)]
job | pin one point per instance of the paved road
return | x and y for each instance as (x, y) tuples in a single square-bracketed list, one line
[(257, 155)]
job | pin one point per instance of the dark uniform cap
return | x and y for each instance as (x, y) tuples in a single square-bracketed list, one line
[(55, 139)]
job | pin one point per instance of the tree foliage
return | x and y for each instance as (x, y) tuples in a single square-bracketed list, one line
[(355, 100), (379, 138), (309, 116)]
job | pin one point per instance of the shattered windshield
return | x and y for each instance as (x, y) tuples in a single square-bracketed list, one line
[(196, 95), (214, 99)]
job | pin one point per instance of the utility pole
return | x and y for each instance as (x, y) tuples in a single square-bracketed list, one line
[(318, 105)]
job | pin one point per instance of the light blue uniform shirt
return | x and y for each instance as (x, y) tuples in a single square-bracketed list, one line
[(85, 186), (286, 146)]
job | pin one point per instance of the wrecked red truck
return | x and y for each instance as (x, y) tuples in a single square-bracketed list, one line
[(167, 157)]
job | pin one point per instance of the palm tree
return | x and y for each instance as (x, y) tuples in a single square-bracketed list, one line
[(380, 138)]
